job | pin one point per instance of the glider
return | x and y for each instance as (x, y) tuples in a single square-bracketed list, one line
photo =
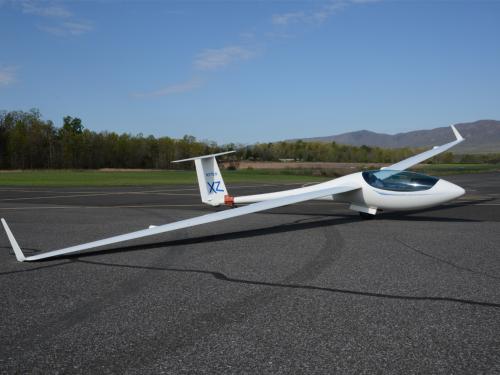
[(390, 188)]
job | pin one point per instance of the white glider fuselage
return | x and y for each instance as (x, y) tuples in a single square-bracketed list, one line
[(372, 198)]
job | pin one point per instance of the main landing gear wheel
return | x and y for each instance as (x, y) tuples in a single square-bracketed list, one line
[(366, 216)]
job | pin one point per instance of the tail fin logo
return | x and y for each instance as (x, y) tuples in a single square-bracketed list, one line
[(214, 187)]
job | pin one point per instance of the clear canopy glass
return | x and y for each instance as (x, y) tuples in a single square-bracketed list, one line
[(387, 179)]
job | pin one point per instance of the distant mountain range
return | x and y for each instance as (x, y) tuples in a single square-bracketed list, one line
[(481, 136)]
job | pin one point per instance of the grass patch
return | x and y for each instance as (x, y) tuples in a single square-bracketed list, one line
[(142, 178), (138, 178)]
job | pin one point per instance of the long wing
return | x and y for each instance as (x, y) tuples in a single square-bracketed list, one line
[(414, 160), (204, 219)]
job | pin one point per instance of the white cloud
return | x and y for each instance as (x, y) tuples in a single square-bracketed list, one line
[(69, 28), (213, 59), (287, 18), (58, 20), (207, 60), (7, 75), (44, 9), (328, 10), (315, 16), (77, 27), (177, 88)]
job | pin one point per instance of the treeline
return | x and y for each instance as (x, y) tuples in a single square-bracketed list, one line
[(334, 152), (320, 151), (29, 142)]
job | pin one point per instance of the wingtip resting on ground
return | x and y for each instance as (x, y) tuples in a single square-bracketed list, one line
[(186, 223), (15, 246)]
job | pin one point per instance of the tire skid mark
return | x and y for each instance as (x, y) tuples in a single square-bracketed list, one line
[(198, 326)]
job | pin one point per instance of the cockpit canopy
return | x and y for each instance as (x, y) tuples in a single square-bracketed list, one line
[(399, 180)]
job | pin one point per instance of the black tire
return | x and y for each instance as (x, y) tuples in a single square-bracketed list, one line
[(366, 216)]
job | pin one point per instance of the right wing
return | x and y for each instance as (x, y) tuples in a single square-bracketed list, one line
[(204, 219), (414, 160)]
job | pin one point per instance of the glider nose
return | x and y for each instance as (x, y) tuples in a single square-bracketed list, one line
[(452, 190)]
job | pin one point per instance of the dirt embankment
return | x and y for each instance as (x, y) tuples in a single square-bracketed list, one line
[(316, 167), (302, 165)]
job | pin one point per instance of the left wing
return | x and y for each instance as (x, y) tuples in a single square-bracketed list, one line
[(414, 160), (204, 219)]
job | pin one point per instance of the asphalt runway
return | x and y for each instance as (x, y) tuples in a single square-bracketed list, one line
[(308, 288)]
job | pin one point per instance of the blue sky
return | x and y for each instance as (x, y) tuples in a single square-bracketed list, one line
[(252, 71)]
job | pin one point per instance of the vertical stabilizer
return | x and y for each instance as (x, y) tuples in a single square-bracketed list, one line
[(212, 186)]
